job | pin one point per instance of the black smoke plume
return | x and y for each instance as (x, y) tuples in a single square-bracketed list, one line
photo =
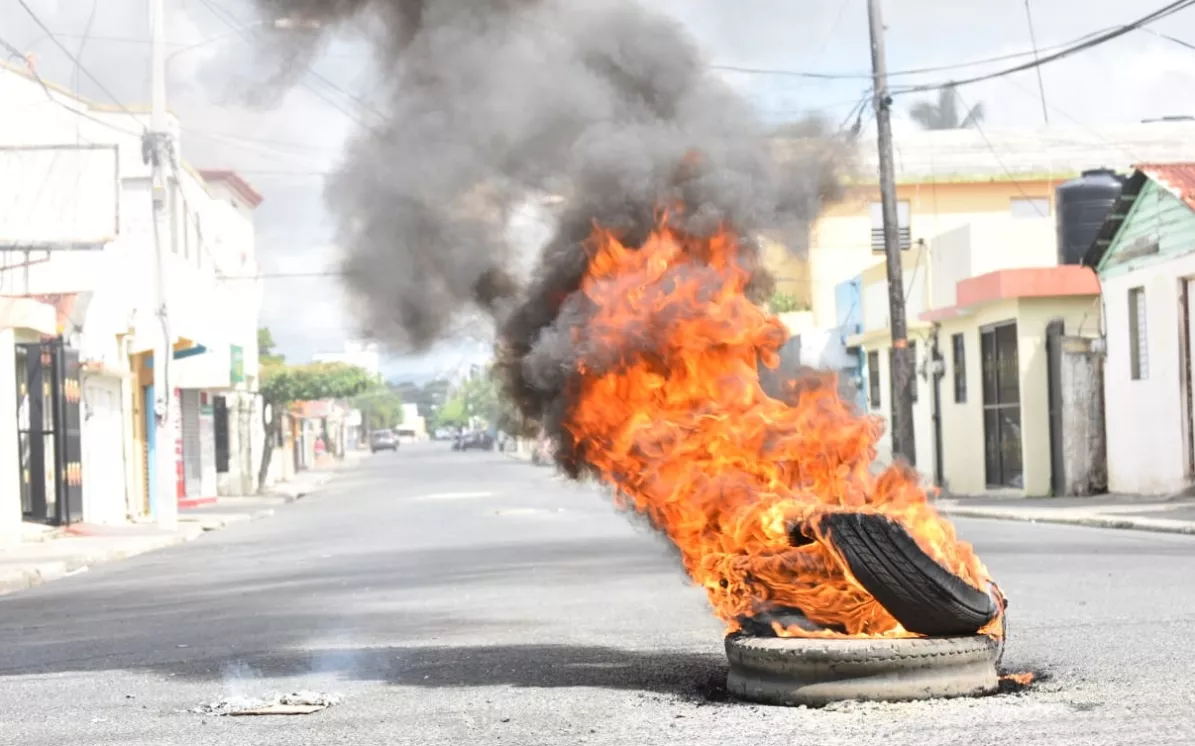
[(604, 103)]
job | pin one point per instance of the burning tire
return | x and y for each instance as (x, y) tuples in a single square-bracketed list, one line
[(918, 592), (814, 672)]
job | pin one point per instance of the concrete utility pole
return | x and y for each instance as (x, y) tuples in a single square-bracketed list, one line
[(901, 373), (158, 150)]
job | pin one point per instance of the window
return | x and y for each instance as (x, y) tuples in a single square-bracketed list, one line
[(960, 368), (1138, 336), (1030, 207), (873, 378), (877, 225)]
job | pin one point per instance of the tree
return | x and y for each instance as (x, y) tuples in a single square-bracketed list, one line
[(380, 408), (265, 348), (283, 384), (945, 114), (453, 413)]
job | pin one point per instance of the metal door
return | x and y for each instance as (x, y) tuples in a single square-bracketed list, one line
[(1054, 331), (1000, 367), (49, 432), (192, 450)]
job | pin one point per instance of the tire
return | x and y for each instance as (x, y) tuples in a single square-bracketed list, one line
[(815, 671), (922, 595)]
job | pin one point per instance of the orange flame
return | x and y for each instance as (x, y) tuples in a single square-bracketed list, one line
[(670, 412)]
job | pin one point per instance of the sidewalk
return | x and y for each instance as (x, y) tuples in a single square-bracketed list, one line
[(50, 553), (1174, 515)]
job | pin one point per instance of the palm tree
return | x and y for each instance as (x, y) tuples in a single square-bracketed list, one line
[(945, 114)]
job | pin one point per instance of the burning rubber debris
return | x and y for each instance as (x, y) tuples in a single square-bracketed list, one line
[(834, 582), (295, 703)]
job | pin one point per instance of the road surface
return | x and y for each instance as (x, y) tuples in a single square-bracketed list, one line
[(466, 598)]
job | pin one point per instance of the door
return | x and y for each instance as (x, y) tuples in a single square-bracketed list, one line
[(1054, 332), (103, 451), (192, 443), (1001, 406)]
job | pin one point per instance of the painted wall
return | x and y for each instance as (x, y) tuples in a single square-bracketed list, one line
[(923, 425), (841, 239), (962, 422), (1145, 418)]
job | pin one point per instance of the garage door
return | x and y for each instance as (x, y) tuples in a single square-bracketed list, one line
[(103, 452), (192, 449)]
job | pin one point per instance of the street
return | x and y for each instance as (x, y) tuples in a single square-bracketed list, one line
[(471, 598)]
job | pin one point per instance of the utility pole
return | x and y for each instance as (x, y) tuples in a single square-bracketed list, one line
[(158, 150), (900, 375)]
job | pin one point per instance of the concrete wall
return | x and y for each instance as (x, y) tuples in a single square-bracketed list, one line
[(923, 424), (1145, 418), (1084, 447), (10, 463)]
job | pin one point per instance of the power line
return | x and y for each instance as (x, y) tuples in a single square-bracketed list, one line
[(73, 58), (229, 19), (16, 53), (1041, 86), (1095, 41), (908, 72)]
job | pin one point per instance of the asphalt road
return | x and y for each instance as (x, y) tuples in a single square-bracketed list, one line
[(470, 599)]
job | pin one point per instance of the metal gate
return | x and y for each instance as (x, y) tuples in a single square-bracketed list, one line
[(192, 455), (1001, 406), (1054, 331), (49, 432)]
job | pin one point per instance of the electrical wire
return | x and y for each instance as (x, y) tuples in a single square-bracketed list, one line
[(1041, 86), (73, 58), (1157, 15), (229, 19)]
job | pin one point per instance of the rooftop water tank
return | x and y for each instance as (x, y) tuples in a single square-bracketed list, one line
[(1081, 205)]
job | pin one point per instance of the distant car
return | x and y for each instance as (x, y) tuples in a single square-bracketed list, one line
[(476, 441), (405, 437), (383, 440)]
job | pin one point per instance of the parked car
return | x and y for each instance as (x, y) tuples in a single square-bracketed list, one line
[(383, 440), (475, 441)]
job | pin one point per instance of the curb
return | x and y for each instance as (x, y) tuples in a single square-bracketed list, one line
[(1155, 525), (217, 522), (19, 580)]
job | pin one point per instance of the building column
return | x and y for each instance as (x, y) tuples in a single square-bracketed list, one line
[(10, 460)]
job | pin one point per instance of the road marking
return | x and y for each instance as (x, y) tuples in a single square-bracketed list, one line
[(455, 496)]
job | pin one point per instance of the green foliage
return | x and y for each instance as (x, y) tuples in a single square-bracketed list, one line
[(381, 408), (283, 384), (784, 303), (265, 349), (453, 413)]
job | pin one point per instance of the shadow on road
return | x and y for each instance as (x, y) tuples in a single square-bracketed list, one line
[(681, 673)]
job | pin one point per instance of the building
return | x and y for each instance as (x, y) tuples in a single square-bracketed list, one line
[(978, 230), (80, 240), (1145, 257)]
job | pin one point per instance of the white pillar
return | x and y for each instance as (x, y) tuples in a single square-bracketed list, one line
[(10, 460)]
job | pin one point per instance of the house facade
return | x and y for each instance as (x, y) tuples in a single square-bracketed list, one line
[(81, 242), (1145, 257)]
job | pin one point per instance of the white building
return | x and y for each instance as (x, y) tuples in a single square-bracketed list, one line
[(363, 354), (1145, 256), (80, 236)]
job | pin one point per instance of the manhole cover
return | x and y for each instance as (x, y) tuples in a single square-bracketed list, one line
[(816, 671)]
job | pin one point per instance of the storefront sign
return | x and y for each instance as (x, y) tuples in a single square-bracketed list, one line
[(237, 372)]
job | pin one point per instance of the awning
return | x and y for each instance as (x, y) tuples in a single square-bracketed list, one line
[(189, 334)]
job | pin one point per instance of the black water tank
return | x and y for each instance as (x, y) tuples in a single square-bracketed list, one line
[(1081, 206)]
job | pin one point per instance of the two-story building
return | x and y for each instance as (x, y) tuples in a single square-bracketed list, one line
[(78, 234), (982, 285)]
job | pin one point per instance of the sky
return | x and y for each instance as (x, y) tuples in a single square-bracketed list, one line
[(283, 125)]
